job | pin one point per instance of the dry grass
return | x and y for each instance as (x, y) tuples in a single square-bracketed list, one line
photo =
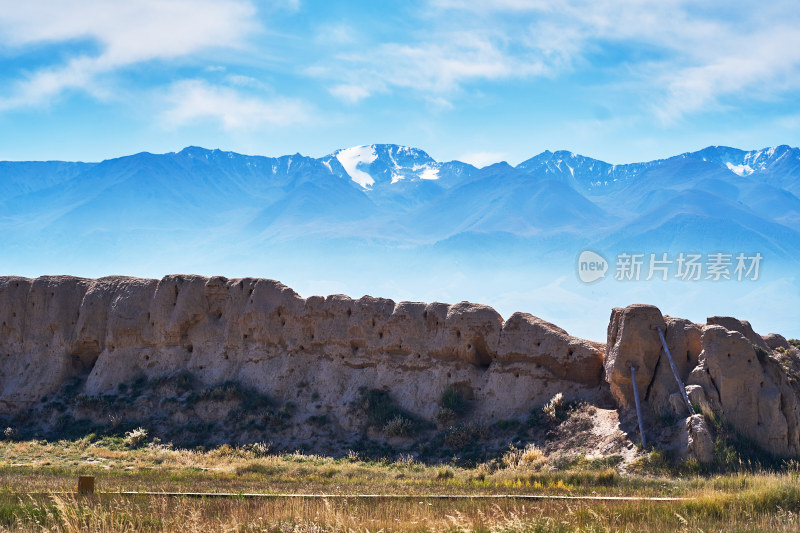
[(101, 514), (759, 501)]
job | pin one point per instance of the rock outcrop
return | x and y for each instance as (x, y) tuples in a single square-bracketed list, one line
[(728, 371)]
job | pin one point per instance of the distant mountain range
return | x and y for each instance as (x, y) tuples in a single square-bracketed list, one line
[(715, 199)]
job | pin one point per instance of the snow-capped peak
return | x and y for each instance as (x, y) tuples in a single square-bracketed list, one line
[(375, 164), (350, 158)]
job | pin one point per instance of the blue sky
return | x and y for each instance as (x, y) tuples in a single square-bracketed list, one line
[(622, 80)]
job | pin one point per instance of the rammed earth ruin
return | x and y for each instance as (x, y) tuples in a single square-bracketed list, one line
[(94, 338)]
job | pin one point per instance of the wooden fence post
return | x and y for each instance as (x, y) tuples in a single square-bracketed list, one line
[(85, 484)]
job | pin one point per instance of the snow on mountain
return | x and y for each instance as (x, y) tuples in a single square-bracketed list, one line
[(740, 170), (767, 164), (398, 193), (582, 173), (377, 165), (351, 158)]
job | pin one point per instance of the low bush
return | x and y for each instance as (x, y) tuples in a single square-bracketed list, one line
[(556, 410), (381, 412), (398, 426), (135, 437), (454, 400)]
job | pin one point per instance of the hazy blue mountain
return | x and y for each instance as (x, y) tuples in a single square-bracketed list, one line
[(698, 221), (583, 174), (501, 198), (385, 194), (19, 178)]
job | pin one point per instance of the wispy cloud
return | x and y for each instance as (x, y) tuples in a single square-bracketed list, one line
[(125, 32), (190, 101), (683, 57), (437, 67), (701, 54), (350, 93)]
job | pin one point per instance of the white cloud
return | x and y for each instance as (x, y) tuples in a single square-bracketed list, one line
[(701, 55), (350, 93), (680, 56), (125, 32), (190, 101), (436, 67)]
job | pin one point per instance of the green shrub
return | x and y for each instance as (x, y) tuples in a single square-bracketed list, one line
[(454, 400), (445, 473), (258, 468), (135, 437), (398, 426), (184, 382), (462, 436), (445, 416), (556, 410)]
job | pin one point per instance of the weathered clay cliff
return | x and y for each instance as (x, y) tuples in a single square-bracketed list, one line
[(317, 352), (142, 348)]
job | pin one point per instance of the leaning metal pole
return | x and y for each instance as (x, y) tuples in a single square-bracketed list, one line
[(675, 373), (638, 405)]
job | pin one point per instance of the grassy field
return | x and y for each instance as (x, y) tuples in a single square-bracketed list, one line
[(37, 479)]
